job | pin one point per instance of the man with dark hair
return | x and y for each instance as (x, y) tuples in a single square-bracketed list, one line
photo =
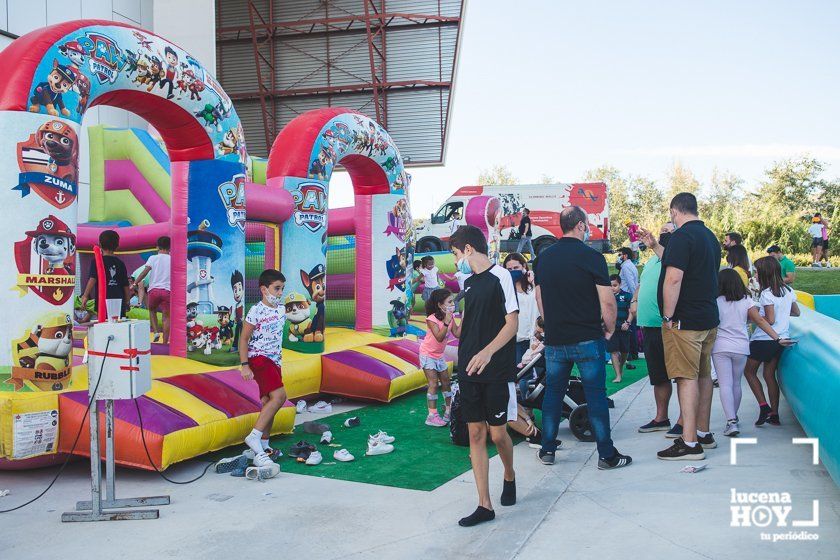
[(487, 364), (627, 271), (788, 268), (687, 293), (525, 233), (579, 311), (732, 238)]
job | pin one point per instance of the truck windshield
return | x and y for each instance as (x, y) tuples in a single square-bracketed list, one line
[(448, 212)]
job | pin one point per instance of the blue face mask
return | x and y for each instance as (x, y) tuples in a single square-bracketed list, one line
[(515, 275), (464, 266), (586, 234)]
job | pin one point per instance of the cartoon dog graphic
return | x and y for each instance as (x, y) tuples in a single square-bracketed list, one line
[(156, 72), (229, 144), (144, 74), (297, 313), (73, 52), (82, 87), (315, 283), (399, 316), (395, 268), (49, 94), (53, 149), (55, 342), (225, 325), (54, 243)]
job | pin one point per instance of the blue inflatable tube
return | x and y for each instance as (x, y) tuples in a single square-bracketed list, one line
[(809, 375)]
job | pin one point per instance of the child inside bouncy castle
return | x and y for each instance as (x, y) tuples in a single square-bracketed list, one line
[(260, 350), (440, 322), (412, 286), (431, 280)]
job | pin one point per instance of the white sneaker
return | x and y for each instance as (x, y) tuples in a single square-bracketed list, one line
[(731, 429), (343, 455), (300, 407), (326, 437), (262, 460), (272, 454), (376, 447), (320, 407), (262, 473), (382, 437), (314, 458)]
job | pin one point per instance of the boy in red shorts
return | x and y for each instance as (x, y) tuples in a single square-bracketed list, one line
[(260, 348)]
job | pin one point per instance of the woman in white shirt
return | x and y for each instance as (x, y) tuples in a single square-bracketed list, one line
[(528, 312), (777, 304)]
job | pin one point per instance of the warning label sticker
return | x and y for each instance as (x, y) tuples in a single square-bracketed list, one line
[(34, 433)]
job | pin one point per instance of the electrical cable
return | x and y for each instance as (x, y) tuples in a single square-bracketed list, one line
[(149, 455), (76, 441)]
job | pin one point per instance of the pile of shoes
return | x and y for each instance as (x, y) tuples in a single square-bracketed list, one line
[(250, 465), (380, 444)]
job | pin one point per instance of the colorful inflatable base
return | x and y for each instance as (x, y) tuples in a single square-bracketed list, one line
[(194, 408)]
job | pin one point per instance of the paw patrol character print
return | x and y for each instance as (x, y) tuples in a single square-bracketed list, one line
[(237, 285), (82, 87), (41, 356), (396, 270), (297, 314), (49, 94), (229, 143), (225, 325), (48, 162), (74, 53), (169, 72), (144, 72), (46, 261), (315, 282), (398, 318), (156, 72)]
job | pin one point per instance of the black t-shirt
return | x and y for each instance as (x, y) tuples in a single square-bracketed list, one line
[(488, 298), (695, 250), (523, 230), (567, 274), (117, 277)]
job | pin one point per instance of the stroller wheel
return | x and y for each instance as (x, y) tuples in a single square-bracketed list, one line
[(579, 423)]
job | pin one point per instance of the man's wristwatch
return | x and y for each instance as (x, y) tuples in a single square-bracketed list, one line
[(666, 319), (244, 364)]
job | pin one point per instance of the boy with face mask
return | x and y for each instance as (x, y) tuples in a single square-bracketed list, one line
[(260, 348)]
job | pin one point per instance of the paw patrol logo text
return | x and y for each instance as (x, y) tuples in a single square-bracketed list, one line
[(106, 58), (310, 206), (232, 194)]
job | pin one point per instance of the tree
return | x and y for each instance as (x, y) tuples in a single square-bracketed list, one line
[(497, 175), (721, 207), (681, 179)]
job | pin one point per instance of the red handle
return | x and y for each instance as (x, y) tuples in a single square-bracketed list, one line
[(101, 289)]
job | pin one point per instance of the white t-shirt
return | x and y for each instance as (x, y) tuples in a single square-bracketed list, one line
[(430, 276), (461, 277), (160, 272), (782, 307), (528, 314), (815, 230), (732, 333), (267, 339)]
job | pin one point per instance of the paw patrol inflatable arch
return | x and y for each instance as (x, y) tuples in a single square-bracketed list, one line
[(301, 162), (51, 77)]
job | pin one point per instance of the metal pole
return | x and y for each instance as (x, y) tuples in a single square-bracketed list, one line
[(110, 479), (95, 467)]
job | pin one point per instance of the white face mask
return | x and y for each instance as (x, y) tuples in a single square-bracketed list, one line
[(449, 308), (273, 300)]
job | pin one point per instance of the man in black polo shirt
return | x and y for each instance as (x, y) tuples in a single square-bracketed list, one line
[(578, 308), (486, 364), (687, 296)]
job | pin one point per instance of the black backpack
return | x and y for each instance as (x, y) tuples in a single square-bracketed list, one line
[(458, 432)]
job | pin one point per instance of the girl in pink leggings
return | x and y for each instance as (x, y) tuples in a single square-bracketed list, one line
[(732, 345)]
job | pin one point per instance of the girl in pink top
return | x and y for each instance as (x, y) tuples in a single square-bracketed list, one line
[(440, 321), (732, 345)]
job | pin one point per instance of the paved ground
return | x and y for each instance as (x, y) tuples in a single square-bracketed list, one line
[(649, 510)]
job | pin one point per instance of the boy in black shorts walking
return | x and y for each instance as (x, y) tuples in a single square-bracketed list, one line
[(487, 362)]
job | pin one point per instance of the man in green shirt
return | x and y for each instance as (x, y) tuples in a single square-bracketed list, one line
[(788, 268), (648, 317)]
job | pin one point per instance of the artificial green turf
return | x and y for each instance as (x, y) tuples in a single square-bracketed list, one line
[(423, 457)]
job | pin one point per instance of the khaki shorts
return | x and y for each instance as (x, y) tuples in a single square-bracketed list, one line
[(688, 354)]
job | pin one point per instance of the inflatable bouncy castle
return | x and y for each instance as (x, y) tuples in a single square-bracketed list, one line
[(192, 186)]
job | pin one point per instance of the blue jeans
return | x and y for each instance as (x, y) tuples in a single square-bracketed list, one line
[(589, 357), (523, 241)]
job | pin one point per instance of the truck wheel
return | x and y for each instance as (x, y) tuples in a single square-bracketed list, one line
[(428, 245), (543, 243)]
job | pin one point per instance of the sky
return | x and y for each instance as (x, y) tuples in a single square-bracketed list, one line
[(559, 87)]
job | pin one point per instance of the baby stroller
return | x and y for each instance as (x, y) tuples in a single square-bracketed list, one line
[(574, 401)]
